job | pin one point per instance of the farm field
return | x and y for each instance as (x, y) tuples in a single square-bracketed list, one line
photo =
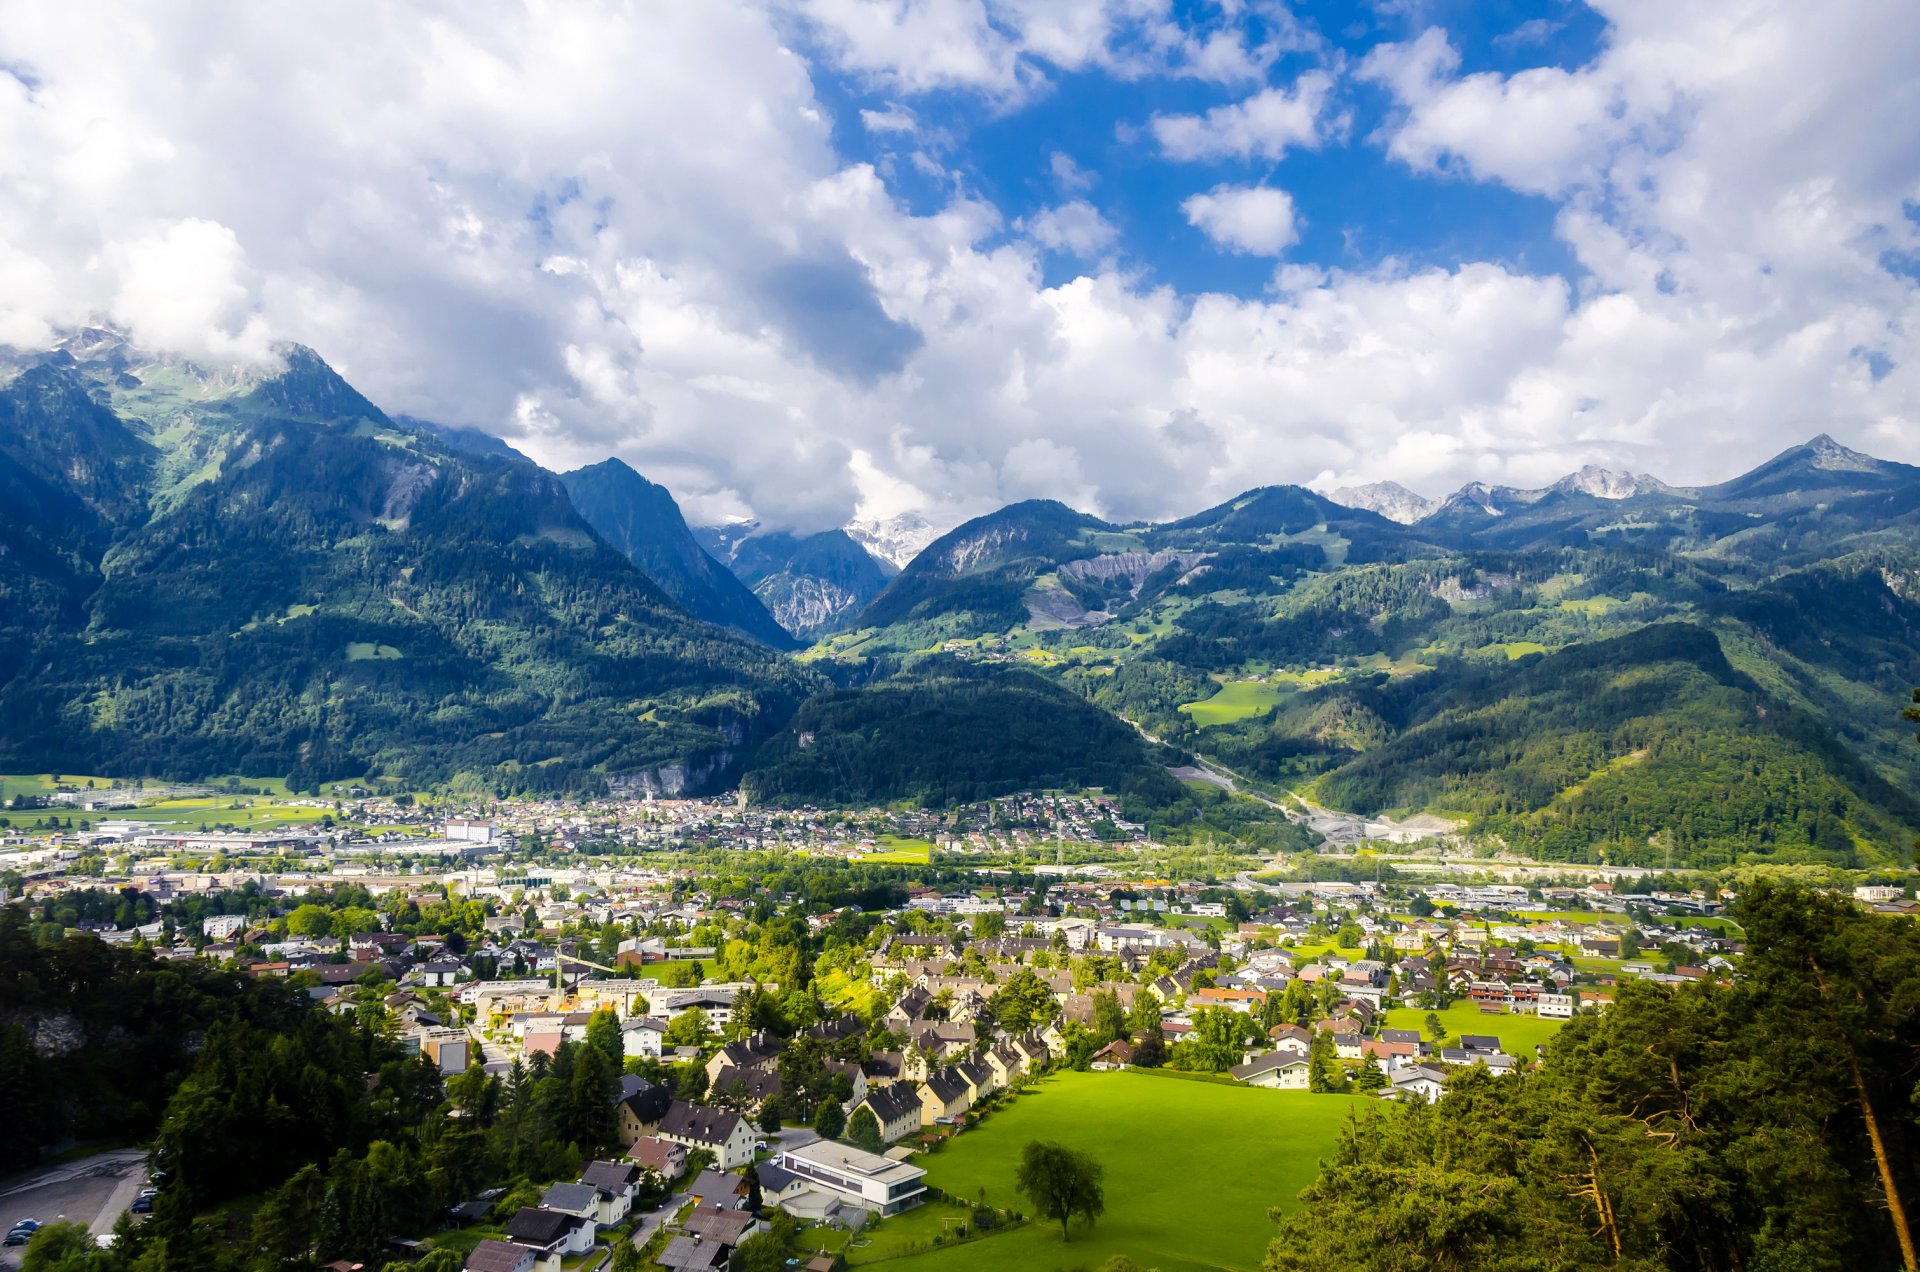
[(1519, 1035), (1192, 1168), (900, 851), (1237, 700)]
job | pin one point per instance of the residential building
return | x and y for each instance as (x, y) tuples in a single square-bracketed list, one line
[(864, 1179)]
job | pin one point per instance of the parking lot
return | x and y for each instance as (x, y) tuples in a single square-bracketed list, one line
[(94, 1191)]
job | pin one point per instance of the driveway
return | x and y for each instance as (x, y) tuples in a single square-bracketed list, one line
[(94, 1191)]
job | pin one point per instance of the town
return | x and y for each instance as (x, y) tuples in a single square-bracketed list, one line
[(793, 1013)]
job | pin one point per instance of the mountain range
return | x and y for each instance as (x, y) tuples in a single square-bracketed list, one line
[(210, 570)]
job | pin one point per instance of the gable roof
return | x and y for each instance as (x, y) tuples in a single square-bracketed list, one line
[(706, 1126), (571, 1198), (541, 1227), (891, 1103), (610, 1177), (496, 1256)]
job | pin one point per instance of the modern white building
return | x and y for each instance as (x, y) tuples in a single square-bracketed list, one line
[(1555, 1006), (855, 1176)]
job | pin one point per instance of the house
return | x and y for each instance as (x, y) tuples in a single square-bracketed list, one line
[(500, 1256), (1117, 1054), (580, 1200), (717, 1188), (663, 1157), (691, 1254), (551, 1234), (778, 1185), (1291, 1037), (728, 1136), (616, 1182), (1277, 1070), (979, 1080), (1556, 1006), (757, 1052), (943, 1097), (642, 1036), (642, 1107), (1416, 1082), (721, 1224), (859, 1178), (896, 1108)]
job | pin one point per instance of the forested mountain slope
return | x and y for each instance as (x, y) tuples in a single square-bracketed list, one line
[(267, 575)]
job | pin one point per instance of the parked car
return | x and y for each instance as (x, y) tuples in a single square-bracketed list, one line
[(142, 1205), (22, 1232)]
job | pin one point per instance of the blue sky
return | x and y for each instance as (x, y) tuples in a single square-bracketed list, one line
[(1357, 208), (811, 260)]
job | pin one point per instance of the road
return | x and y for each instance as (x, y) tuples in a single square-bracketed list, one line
[(94, 1190)]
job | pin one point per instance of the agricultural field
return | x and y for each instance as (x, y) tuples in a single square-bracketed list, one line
[(1191, 1170), (1518, 1035), (1237, 700), (899, 850)]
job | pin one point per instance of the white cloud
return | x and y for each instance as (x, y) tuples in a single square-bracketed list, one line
[(894, 119), (597, 232), (1075, 228), (1071, 177), (1264, 126), (1256, 219)]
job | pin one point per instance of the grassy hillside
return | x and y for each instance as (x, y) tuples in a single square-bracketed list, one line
[(1196, 1203)]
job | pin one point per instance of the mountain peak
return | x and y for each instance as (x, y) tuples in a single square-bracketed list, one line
[(1388, 498), (1604, 483), (1831, 455), (895, 540)]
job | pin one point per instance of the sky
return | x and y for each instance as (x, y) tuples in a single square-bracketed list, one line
[(806, 260)]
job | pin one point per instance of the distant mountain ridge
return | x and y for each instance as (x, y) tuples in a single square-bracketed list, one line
[(810, 583), (643, 521)]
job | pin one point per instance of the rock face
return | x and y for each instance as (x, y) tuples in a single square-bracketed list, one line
[(1604, 483), (1388, 498), (896, 540), (811, 584)]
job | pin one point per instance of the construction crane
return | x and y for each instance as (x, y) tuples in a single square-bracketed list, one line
[(560, 962)]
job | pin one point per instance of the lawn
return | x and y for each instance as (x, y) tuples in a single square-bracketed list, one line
[(1237, 700), (1191, 1170), (1518, 1035)]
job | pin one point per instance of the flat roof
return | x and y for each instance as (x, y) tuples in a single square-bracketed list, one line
[(855, 1161)]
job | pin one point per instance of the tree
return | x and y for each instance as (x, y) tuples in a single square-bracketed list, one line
[(863, 1130), (1323, 1064), (688, 1029), (309, 920), (1152, 1051), (1215, 1044), (1109, 1018), (830, 1120), (603, 1031), (1436, 1030), (1061, 1182), (60, 1247)]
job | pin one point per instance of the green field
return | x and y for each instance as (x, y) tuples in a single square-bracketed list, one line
[(1518, 1035), (898, 850), (1237, 700), (1191, 1170)]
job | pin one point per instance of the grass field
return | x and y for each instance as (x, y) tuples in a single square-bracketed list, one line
[(1518, 1035), (1192, 1168), (898, 850), (1237, 700)]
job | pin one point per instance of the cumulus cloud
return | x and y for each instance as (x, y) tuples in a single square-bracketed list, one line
[(1075, 228), (597, 231), (1264, 126), (1256, 219)]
